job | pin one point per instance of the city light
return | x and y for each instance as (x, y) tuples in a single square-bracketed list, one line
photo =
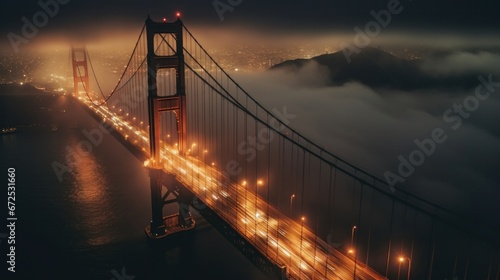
[(352, 238), (401, 260)]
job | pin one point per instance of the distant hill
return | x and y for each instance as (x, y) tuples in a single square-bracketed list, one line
[(376, 68)]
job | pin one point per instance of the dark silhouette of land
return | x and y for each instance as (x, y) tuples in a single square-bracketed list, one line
[(379, 69)]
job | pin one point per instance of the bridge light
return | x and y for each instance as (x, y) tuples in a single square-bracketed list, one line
[(178, 14), (260, 182), (244, 183), (164, 19)]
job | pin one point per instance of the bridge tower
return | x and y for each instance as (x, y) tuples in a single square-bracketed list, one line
[(80, 69), (162, 226)]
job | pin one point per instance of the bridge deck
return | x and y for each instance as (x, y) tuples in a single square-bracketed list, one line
[(278, 237)]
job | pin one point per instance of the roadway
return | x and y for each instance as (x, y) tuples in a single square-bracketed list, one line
[(285, 241)]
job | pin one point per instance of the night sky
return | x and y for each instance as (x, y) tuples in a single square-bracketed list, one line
[(315, 15)]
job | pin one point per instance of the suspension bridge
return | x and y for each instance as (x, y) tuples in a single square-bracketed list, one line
[(295, 209)]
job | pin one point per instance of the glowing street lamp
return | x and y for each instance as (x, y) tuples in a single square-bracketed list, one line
[(352, 240), (291, 204), (401, 260), (204, 153)]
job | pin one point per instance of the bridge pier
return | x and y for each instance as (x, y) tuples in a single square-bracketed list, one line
[(162, 226), (157, 227)]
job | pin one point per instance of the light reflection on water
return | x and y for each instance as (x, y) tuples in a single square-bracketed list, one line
[(91, 198), (91, 221)]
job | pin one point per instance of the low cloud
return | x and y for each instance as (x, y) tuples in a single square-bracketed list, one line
[(371, 128), (459, 63)]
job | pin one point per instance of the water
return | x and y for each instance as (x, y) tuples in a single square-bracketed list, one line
[(91, 224)]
